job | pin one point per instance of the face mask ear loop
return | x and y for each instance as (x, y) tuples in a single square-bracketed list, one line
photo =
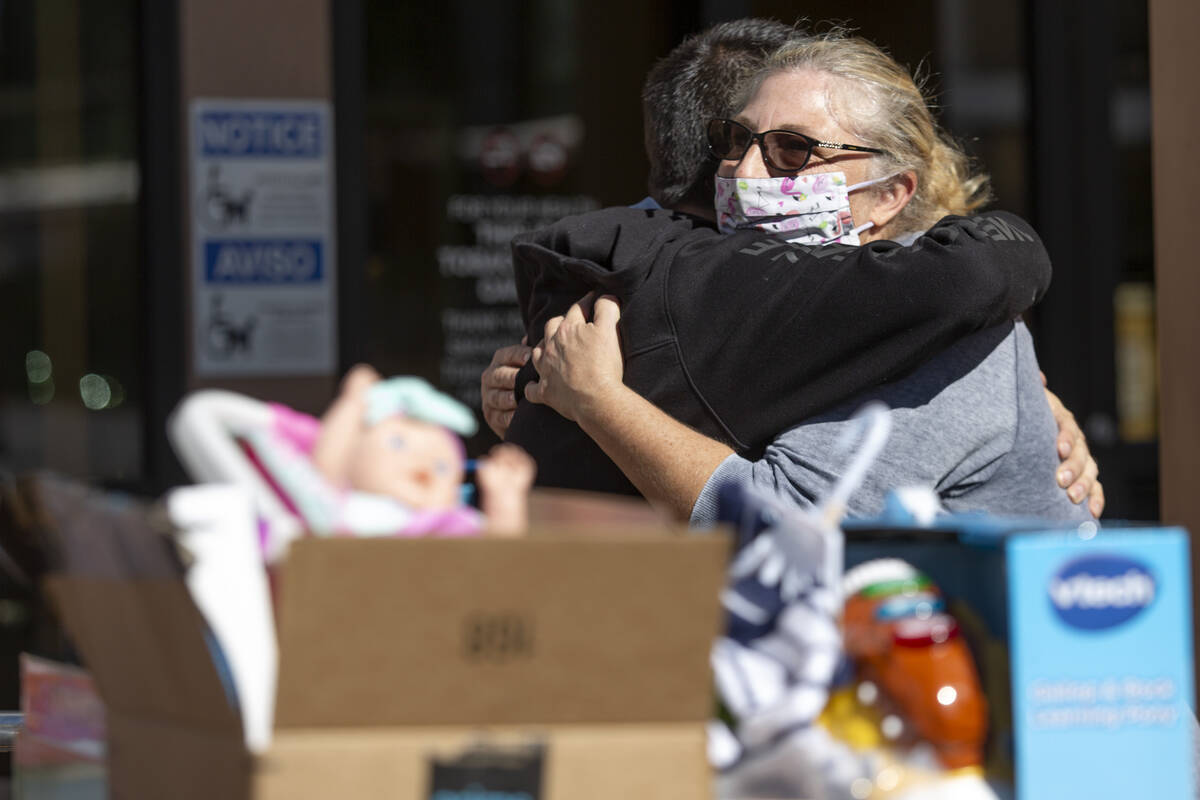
[(872, 182)]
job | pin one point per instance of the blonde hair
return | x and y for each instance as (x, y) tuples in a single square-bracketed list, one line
[(876, 99)]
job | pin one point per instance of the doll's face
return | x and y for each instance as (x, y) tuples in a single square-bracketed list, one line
[(415, 462)]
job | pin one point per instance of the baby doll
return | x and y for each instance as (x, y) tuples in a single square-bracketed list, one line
[(395, 439), (381, 461)]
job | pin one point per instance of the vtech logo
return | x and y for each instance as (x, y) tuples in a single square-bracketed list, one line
[(1100, 592)]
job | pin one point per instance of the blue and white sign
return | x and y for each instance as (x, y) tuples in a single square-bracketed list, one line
[(278, 262), (1100, 591), (261, 134), (263, 248), (1101, 648)]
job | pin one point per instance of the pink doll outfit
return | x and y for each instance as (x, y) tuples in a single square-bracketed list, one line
[(284, 453)]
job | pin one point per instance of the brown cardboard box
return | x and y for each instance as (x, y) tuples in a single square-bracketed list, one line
[(587, 645), (583, 762)]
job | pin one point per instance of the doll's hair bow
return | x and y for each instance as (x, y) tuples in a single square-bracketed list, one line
[(414, 397)]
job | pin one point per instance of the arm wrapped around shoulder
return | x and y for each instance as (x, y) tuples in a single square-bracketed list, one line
[(771, 332)]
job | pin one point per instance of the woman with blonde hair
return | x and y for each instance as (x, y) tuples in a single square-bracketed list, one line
[(872, 99), (834, 145)]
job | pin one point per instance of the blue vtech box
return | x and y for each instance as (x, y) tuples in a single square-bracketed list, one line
[(1083, 640)]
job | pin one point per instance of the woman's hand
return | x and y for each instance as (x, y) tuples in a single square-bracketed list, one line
[(579, 360), (581, 371)]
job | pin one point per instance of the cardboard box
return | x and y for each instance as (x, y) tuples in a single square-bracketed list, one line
[(571, 662), (1083, 643)]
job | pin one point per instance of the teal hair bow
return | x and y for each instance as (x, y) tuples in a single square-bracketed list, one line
[(414, 397)]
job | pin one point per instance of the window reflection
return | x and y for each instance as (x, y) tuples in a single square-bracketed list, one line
[(70, 289)]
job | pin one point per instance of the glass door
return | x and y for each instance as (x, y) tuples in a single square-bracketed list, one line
[(71, 300)]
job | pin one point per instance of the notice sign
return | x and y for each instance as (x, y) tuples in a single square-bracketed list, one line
[(263, 258)]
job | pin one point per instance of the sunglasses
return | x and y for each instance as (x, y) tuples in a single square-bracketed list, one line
[(783, 151)]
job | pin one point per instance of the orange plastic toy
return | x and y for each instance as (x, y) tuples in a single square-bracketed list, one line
[(901, 638)]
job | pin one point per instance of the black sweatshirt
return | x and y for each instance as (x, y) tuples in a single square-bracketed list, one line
[(743, 336)]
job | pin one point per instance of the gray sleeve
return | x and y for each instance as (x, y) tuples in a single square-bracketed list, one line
[(734, 468), (800, 465), (953, 423), (1024, 483)]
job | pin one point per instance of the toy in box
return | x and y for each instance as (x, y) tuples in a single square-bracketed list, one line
[(1082, 643)]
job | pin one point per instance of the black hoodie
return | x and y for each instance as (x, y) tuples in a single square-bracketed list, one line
[(743, 336)]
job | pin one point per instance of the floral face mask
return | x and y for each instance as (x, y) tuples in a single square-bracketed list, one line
[(813, 208)]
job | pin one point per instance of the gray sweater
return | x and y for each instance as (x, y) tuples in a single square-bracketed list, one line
[(972, 423)]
